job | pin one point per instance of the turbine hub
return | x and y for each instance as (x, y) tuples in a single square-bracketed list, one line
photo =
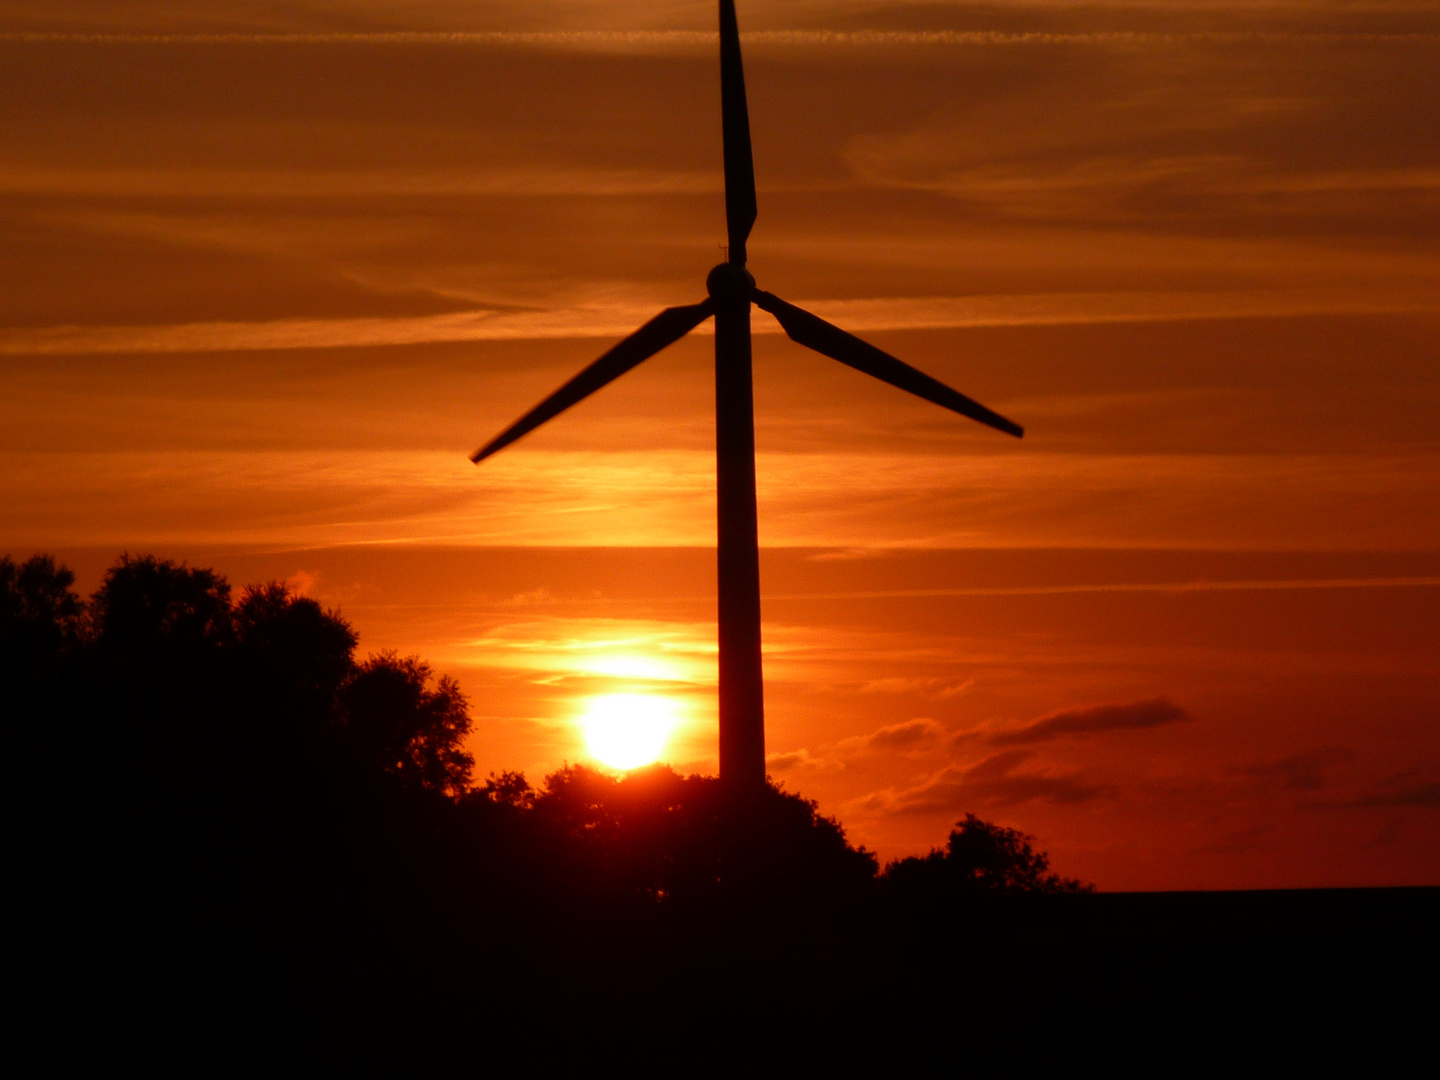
[(729, 282)]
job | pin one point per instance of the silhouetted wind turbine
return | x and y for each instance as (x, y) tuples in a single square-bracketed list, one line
[(732, 290)]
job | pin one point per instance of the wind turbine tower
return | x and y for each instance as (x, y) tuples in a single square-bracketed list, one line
[(731, 291)]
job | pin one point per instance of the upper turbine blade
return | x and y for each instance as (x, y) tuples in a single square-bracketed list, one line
[(815, 333), (735, 123), (665, 329)]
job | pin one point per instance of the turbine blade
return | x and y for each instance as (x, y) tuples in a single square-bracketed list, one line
[(815, 333), (665, 329), (735, 125)]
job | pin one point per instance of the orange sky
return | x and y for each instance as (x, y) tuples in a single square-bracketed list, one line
[(271, 274)]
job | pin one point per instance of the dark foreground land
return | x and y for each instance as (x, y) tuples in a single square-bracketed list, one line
[(1162, 984), (233, 847)]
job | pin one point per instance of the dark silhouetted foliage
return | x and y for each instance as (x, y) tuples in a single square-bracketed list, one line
[(395, 723), (233, 846), (980, 859), (654, 834), (39, 613), (148, 604), (301, 654), (42, 627)]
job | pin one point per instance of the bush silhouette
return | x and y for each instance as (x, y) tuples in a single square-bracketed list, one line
[(980, 859)]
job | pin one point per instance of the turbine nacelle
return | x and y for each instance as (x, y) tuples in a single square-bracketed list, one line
[(729, 282)]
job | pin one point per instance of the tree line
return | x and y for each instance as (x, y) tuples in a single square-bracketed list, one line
[(227, 827)]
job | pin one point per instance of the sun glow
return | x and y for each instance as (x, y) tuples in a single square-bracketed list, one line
[(625, 731), (632, 666)]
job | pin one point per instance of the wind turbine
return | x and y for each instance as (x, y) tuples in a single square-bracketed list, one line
[(731, 292)]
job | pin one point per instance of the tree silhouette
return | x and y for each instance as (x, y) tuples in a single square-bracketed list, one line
[(148, 604), (42, 625), (39, 613), (981, 859), (292, 658), (509, 790), (394, 721), (309, 652), (656, 835)]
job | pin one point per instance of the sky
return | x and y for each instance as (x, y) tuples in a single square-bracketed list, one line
[(272, 271)]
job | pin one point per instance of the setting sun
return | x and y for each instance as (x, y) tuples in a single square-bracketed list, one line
[(628, 730)]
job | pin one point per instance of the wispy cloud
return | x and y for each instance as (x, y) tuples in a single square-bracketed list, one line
[(1093, 720), (1414, 788), (798, 760), (612, 40), (998, 780), (1271, 585), (925, 687), (475, 180), (617, 320), (666, 498), (627, 650), (1296, 772), (907, 736)]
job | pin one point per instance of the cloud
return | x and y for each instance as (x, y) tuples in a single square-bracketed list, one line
[(542, 497), (995, 781), (906, 736), (1416, 787), (531, 598), (1299, 772), (1240, 841), (303, 583), (613, 319), (927, 686), (910, 737), (900, 685), (1079, 723), (798, 759), (335, 183)]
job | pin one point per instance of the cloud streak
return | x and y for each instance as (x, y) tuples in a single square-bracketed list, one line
[(609, 40), (666, 498), (1094, 720), (1297, 772), (860, 316), (1418, 788), (910, 735), (997, 781), (1272, 585)]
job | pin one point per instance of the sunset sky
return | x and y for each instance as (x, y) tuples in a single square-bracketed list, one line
[(272, 271)]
